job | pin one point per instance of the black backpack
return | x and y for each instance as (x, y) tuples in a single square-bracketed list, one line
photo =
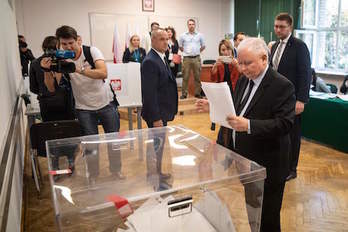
[(89, 59)]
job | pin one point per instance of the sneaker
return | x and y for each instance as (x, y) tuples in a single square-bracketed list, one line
[(119, 175)]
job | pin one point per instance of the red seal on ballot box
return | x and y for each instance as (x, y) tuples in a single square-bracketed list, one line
[(121, 204)]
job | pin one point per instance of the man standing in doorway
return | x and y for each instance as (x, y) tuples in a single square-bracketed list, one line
[(191, 44), (290, 57)]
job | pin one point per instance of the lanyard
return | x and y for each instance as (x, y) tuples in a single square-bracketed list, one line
[(136, 55)]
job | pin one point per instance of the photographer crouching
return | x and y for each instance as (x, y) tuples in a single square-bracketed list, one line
[(94, 100)]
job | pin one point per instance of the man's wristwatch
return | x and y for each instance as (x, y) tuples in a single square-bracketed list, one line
[(82, 70)]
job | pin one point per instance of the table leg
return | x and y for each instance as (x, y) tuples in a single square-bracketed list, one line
[(130, 118), (139, 117)]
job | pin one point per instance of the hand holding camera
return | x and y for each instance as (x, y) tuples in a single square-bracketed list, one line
[(55, 60)]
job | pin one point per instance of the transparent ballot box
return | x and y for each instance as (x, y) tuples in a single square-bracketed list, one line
[(159, 179)]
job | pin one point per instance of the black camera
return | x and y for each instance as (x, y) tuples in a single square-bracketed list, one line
[(59, 63)]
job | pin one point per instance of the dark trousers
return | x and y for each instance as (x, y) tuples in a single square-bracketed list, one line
[(154, 154), (271, 205), (109, 118), (295, 136)]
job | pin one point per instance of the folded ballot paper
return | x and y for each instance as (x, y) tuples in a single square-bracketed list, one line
[(153, 216), (220, 102)]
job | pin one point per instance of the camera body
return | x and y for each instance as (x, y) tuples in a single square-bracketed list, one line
[(59, 63)]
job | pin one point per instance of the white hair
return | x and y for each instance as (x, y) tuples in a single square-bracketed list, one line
[(255, 45)]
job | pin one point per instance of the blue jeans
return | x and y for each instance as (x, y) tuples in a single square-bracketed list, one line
[(108, 117)]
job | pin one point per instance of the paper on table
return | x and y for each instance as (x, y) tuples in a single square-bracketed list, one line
[(153, 217), (220, 102), (343, 97)]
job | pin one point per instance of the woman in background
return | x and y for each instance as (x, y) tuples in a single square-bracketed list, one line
[(173, 49), (134, 53), (225, 69)]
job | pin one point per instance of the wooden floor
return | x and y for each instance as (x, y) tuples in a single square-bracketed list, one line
[(316, 201)]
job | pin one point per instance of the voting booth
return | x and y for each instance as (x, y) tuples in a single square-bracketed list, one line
[(125, 80), (174, 180)]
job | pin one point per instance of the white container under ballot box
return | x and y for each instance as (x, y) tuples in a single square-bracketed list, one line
[(159, 179)]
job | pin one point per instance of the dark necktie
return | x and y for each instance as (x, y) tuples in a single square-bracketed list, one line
[(245, 99)]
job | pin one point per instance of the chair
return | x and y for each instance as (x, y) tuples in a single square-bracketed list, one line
[(209, 61), (41, 132)]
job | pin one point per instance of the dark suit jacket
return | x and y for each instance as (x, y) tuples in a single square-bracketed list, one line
[(159, 90), (295, 64), (271, 113)]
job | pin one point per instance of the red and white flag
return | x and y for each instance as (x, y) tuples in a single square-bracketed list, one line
[(128, 36), (116, 47)]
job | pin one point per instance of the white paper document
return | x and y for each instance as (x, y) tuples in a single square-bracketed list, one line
[(220, 102), (343, 97), (153, 217)]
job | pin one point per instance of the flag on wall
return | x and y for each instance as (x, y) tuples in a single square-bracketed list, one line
[(116, 47)]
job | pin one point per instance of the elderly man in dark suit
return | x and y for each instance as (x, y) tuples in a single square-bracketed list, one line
[(160, 103), (290, 57), (265, 110)]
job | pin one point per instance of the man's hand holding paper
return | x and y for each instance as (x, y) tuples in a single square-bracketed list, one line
[(220, 102)]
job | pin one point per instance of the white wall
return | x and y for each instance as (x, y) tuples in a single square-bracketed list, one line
[(39, 18), (10, 86), (10, 70)]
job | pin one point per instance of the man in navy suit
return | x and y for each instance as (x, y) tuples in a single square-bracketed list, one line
[(158, 86), (160, 103), (290, 57)]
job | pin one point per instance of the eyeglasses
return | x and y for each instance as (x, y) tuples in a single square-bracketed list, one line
[(280, 26)]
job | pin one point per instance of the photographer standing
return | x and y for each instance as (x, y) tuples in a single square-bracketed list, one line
[(53, 106), (93, 97)]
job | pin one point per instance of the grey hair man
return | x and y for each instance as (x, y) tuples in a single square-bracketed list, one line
[(265, 111)]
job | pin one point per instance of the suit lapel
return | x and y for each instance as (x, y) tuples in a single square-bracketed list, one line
[(167, 69), (274, 48), (260, 90), (286, 50)]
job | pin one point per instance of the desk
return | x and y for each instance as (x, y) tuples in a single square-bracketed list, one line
[(326, 121), (205, 77)]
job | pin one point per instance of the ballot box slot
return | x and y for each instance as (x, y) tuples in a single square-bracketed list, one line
[(180, 206)]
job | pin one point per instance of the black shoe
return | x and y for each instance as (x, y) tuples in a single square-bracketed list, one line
[(165, 176), (183, 96), (198, 96), (291, 176)]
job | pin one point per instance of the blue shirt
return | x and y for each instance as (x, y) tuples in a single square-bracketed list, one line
[(191, 43)]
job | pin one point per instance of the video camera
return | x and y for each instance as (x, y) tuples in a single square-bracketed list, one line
[(59, 63)]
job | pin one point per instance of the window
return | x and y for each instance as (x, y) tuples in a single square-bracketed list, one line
[(325, 31)]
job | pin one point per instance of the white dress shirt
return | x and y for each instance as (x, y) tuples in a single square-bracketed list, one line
[(162, 55)]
